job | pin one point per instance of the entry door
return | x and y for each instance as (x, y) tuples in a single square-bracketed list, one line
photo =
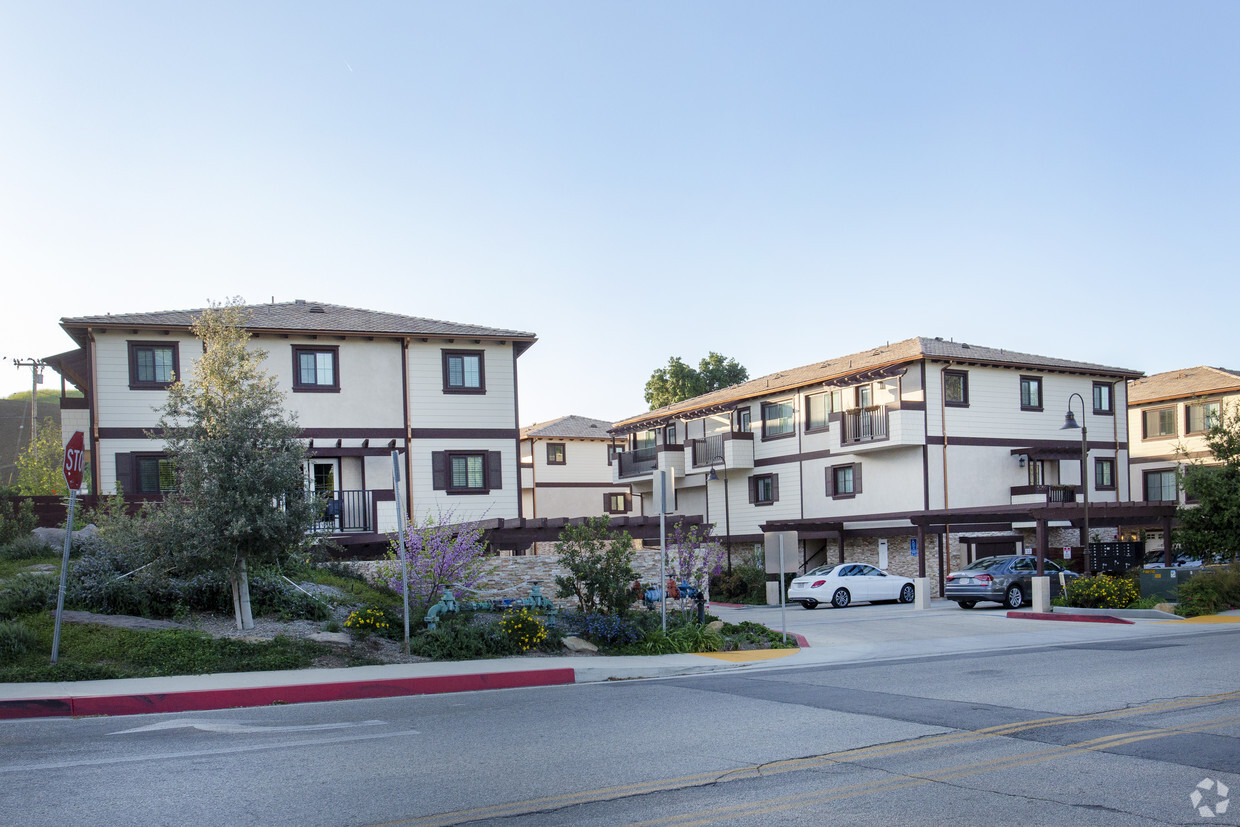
[(323, 482)]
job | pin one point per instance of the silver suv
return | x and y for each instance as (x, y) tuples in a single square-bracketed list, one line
[(1007, 579)]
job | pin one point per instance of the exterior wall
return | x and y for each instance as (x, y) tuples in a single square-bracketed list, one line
[(1168, 453), (576, 488), (431, 407)]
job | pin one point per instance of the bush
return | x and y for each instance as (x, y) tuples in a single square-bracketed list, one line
[(27, 593), (603, 630), (460, 640), (25, 548), (1209, 592), (15, 641), (695, 637), (16, 521), (744, 584), (371, 620), (524, 631), (600, 565), (1101, 592)]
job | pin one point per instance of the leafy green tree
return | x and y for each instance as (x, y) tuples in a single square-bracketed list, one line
[(39, 465), (600, 565), (238, 460), (678, 381), (1210, 524)]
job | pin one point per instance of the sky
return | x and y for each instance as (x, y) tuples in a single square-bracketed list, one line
[(779, 182)]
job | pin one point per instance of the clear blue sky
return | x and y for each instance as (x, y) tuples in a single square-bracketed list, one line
[(780, 182)]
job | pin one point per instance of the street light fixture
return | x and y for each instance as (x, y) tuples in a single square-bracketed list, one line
[(1069, 423), (727, 511)]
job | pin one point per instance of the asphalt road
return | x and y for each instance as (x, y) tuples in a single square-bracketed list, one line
[(1122, 731)]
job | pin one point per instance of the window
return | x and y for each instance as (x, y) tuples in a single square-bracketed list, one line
[(645, 439), (844, 480), (1160, 486), (466, 472), (743, 420), (154, 475), (865, 396), (316, 369), (152, 365), (463, 372), (555, 453), (777, 419), (1037, 472), (764, 489), (617, 503), (612, 451), (669, 434), (1104, 474), (818, 410), (1201, 416), (956, 388), (1031, 393), (1102, 398), (1157, 422)]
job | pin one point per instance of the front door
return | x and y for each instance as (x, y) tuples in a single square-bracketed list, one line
[(323, 482)]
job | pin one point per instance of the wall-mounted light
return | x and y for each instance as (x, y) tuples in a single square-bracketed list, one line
[(1022, 460)]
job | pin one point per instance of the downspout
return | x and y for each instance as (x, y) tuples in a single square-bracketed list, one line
[(404, 382), (93, 393), (516, 424), (533, 478), (945, 556)]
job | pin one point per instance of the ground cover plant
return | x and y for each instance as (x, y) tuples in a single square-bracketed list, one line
[(1209, 592), (1101, 592)]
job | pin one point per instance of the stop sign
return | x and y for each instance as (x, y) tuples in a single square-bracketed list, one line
[(75, 453)]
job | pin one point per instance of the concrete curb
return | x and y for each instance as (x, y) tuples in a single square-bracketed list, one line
[(142, 703), (1077, 618)]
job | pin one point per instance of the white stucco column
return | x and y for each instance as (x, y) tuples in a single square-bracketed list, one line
[(922, 584), (1042, 594)]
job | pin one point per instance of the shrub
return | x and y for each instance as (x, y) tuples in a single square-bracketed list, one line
[(371, 620), (27, 593), (25, 548), (524, 631), (459, 641), (695, 637), (438, 555), (15, 641), (16, 521), (604, 630), (1101, 592), (744, 584), (1209, 592), (600, 565)]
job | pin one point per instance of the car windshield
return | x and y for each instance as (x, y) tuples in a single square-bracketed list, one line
[(984, 563), (820, 570)]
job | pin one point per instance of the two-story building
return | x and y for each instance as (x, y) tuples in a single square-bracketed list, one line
[(361, 383), (875, 455), (566, 470)]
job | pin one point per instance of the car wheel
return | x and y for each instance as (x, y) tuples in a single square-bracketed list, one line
[(1014, 598), (908, 593), (966, 604), (841, 598), (809, 604)]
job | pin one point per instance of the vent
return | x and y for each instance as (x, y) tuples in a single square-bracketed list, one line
[(317, 309)]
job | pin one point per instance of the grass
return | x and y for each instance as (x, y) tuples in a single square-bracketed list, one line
[(12, 568), (96, 652)]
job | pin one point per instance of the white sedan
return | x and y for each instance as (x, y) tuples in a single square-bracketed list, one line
[(848, 583)]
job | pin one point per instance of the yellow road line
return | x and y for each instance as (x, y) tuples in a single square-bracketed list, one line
[(750, 655)]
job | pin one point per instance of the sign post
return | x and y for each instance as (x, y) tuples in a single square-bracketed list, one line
[(75, 453)]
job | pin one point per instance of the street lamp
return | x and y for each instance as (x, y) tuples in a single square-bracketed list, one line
[(1069, 423), (727, 511)]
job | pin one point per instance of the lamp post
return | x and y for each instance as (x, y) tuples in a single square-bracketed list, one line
[(727, 511), (1069, 423)]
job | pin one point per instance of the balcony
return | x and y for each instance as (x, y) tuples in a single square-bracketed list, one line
[(1028, 494), (643, 462), (735, 449), (346, 512), (864, 425)]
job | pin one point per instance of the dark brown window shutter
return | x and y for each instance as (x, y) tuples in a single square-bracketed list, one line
[(774, 488), (439, 470), (606, 503), (124, 473), (495, 470), (752, 489), (857, 478), (830, 481)]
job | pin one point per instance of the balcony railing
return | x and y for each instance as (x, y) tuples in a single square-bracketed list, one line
[(1060, 493), (865, 424), (706, 450), (638, 461), (345, 511)]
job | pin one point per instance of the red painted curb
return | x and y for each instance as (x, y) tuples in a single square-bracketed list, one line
[(267, 695), (1062, 616)]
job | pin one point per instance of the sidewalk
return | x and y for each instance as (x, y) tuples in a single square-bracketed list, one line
[(826, 636)]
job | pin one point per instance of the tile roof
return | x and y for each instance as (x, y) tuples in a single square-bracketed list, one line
[(568, 427), (1185, 383), (853, 368), (307, 316)]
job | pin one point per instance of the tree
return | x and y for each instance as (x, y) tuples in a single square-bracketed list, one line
[(1210, 523), (600, 565), (678, 381), (40, 464), (239, 464)]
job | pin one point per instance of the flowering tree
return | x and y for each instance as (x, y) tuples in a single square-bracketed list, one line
[(438, 554), (694, 555)]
